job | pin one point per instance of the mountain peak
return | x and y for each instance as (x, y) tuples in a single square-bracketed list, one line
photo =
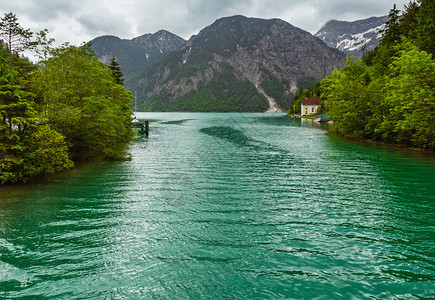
[(248, 60), (353, 37), (136, 54)]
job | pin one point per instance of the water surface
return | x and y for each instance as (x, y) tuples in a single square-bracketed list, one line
[(226, 206)]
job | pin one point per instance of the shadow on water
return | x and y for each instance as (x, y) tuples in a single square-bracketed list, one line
[(176, 122), (238, 138)]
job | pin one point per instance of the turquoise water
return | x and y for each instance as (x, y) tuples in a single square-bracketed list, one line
[(226, 206)]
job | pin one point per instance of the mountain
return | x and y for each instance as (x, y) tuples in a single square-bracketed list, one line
[(353, 38), (136, 54), (236, 64)]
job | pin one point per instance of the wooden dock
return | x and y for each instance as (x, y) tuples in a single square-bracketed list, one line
[(144, 128)]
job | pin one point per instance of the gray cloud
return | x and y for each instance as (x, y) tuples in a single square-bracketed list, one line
[(106, 22), (76, 21)]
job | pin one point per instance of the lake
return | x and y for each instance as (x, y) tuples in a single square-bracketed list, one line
[(226, 206)]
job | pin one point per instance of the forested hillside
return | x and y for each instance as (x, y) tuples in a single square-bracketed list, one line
[(389, 96), (66, 108)]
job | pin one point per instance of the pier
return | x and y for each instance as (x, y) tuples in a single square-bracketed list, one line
[(144, 128)]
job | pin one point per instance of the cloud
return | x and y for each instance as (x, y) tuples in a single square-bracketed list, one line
[(76, 21), (106, 22)]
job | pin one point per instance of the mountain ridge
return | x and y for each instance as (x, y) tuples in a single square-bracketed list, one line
[(269, 55), (353, 37), (137, 53)]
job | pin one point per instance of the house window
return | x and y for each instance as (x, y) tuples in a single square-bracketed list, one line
[(312, 109), (306, 110)]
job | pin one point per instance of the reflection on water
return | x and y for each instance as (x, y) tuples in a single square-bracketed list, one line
[(226, 206)]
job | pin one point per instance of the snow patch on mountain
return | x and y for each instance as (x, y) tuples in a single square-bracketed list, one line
[(358, 41), (353, 38)]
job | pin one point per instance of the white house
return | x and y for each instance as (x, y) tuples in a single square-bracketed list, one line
[(309, 106)]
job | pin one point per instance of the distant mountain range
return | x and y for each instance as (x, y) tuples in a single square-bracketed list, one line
[(136, 54), (353, 38), (236, 63)]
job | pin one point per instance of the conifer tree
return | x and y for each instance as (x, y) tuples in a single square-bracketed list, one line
[(17, 38), (392, 29), (116, 71)]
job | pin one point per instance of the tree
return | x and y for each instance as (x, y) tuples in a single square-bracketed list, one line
[(407, 19), (46, 152), (423, 33), (346, 98), (391, 98), (392, 27), (17, 116), (16, 37), (81, 101), (116, 71), (43, 44), (410, 99), (27, 146)]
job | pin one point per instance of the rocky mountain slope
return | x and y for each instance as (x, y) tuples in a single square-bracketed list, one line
[(136, 54), (353, 38), (236, 64)]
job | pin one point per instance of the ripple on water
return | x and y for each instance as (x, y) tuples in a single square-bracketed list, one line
[(226, 206)]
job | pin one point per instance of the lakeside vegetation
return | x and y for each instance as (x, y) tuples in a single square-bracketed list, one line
[(389, 95), (66, 108)]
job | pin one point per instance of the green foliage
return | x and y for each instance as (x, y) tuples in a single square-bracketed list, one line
[(416, 23), (306, 82), (390, 95), (83, 103), (43, 45), (116, 71), (46, 152), (27, 147), (410, 99), (68, 109), (346, 100), (398, 107), (422, 30), (392, 32), (17, 116)]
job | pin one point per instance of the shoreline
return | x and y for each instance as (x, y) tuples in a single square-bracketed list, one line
[(370, 141), (399, 146)]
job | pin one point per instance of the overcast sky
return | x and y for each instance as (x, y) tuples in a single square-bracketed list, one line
[(76, 21)]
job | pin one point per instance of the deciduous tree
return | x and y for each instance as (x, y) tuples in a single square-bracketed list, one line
[(83, 103)]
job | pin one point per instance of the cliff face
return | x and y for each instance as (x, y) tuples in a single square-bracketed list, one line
[(264, 57), (136, 54), (353, 38)]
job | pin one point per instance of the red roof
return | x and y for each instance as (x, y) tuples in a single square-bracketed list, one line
[(311, 101)]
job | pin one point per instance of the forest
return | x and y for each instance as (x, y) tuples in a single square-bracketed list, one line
[(388, 96), (67, 107)]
